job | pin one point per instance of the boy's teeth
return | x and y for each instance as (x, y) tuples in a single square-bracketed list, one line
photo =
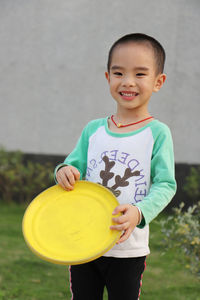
[(128, 94)]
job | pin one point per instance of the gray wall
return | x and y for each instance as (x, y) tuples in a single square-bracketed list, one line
[(53, 58)]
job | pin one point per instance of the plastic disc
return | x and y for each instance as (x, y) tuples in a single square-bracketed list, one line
[(71, 227)]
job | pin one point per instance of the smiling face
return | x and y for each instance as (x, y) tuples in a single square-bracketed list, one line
[(132, 77)]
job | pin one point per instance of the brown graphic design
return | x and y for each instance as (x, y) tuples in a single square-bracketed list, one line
[(119, 181)]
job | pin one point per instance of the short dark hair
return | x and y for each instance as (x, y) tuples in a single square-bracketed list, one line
[(141, 38)]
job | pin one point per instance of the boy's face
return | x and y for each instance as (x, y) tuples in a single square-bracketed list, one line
[(132, 76)]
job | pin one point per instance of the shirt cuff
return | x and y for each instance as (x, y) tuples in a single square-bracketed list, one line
[(140, 212)]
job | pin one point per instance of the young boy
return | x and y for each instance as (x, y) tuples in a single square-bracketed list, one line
[(130, 153)]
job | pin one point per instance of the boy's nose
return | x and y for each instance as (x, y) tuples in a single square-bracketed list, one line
[(128, 81)]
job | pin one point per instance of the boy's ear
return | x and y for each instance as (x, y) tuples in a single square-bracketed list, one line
[(107, 76), (159, 82)]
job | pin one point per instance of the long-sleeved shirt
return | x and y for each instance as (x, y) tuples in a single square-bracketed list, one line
[(137, 166)]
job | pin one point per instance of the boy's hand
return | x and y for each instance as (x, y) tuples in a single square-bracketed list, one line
[(66, 177), (126, 222)]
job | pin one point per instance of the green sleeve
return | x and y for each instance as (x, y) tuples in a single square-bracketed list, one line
[(78, 157), (163, 183)]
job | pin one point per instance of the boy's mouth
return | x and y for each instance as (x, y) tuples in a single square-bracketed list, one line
[(128, 95)]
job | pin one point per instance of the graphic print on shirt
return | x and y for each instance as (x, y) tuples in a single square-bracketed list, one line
[(121, 173), (120, 181)]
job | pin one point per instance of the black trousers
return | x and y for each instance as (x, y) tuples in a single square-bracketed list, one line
[(121, 276)]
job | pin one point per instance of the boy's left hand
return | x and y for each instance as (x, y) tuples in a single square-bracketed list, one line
[(127, 221)]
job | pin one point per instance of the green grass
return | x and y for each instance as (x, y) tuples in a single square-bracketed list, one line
[(23, 276), (166, 276)]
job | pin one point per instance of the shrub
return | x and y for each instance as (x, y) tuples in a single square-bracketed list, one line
[(181, 232), (192, 186), (182, 229), (21, 181)]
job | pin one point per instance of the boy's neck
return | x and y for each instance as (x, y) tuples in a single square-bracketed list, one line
[(130, 116), (126, 118)]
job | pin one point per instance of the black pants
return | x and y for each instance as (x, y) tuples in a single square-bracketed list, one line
[(121, 276)]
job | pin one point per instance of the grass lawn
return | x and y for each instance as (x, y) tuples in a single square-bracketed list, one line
[(23, 276)]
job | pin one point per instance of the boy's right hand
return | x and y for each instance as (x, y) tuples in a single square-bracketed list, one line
[(66, 177)]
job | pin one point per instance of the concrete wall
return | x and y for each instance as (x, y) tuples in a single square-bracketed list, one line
[(53, 58)]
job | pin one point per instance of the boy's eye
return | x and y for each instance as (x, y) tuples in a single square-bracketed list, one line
[(118, 73), (140, 74)]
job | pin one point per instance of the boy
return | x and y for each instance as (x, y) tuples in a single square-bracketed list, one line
[(131, 153)]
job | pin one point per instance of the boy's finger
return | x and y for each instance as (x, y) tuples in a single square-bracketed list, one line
[(64, 183), (61, 183), (71, 178), (120, 220), (120, 227), (120, 208), (77, 175), (124, 236)]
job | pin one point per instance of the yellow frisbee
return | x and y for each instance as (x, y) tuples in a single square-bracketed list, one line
[(71, 227)]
